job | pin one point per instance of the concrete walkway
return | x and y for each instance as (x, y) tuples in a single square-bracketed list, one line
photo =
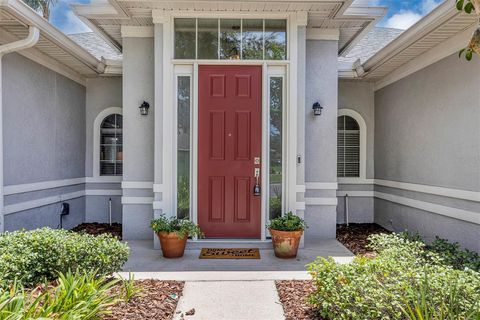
[(229, 300)]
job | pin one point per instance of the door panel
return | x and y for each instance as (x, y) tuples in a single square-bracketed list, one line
[(229, 138)]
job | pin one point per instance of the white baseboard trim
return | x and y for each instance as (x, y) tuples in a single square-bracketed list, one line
[(321, 201), (137, 200), (38, 186), (103, 192), (22, 206), (465, 215)]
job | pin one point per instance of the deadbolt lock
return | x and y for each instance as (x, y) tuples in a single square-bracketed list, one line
[(256, 160)]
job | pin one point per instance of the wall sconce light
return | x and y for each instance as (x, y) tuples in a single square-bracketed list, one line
[(144, 108), (317, 109)]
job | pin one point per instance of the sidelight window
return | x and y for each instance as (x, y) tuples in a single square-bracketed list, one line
[(183, 146), (276, 147), (230, 39)]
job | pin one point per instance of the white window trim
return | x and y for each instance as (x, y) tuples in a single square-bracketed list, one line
[(96, 141), (363, 145)]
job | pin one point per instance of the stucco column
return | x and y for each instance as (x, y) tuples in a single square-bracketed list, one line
[(138, 135), (164, 124), (321, 146)]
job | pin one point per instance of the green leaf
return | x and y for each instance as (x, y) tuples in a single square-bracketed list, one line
[(461, 52), (469, 7), (460, 4), (469, 55)]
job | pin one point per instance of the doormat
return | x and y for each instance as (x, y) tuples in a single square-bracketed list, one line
[(230, 253)]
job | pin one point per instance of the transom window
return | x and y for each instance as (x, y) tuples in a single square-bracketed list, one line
[(348, 144), (231, 39), (111, 146)]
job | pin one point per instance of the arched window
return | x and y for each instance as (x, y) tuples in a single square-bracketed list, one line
[(351, 145), (111, 146)]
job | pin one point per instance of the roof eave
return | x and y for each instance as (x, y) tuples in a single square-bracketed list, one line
[(26, 15), (435, 18)]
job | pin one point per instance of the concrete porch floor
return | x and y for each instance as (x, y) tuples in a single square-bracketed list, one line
[(147, 262)]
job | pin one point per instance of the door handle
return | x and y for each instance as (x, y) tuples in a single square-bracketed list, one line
[(256, 187)]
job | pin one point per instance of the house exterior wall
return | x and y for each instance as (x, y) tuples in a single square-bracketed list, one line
[(102, 93), (44, 140), (426, 133), (358, 96), (320, 137), (138, 138)]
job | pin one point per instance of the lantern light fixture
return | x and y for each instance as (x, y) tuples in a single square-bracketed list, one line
[(317, 109), (144, 108)]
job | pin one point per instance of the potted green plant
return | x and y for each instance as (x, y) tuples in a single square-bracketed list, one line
[(173, 234), (286, 232)]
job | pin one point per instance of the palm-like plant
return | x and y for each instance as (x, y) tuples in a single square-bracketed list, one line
[(41, 5)]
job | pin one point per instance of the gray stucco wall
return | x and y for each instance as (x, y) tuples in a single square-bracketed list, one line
[(138, 85), (321, 134), (44, 139), (360, 97), (102, 93), (426, 132)]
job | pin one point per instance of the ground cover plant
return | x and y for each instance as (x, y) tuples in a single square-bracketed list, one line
[(31, 257), (72, 296), (403, 281)]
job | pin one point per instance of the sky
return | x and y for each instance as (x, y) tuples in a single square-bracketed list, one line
[(401, 15), (404, 13)]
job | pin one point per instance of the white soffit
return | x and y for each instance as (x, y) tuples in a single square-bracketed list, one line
[(54, 49), (438, 26), (351, 20)]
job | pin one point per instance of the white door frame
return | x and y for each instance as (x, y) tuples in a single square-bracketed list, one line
[(173, 68)]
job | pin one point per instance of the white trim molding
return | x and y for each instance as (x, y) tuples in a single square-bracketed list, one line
[(137, 200), (355, 193), (438, 191), (465, 215), (363, 139), (323, 34), (300, 188), (321, 185), (44, 185), (157, 205), (355, 181), (104, 179), (22, 206), (321, 201), (137, 31), (96, 141), (103, 192), (137, 184)]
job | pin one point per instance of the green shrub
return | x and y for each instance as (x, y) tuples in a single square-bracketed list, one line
[(287, 222), (450, 252), (31, 257), (182, 227), (384, 287), (453, 255), (75, 296)]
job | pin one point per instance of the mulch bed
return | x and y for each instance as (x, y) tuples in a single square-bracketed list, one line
[(293, 295), (354, 237), (157, 300), (96, 228)]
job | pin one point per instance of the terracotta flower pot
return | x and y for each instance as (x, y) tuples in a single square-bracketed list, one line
[(172, 245), (285, 243)]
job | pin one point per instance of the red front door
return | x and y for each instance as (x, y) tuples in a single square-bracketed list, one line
[(229, 140)]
